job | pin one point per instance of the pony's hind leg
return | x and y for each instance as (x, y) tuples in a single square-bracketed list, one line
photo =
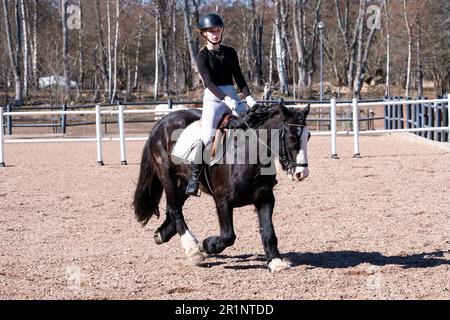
[(166, 231), (227, 236), (175, 200), (269, 239)]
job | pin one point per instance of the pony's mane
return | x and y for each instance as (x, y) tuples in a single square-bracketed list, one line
[(257, 115)]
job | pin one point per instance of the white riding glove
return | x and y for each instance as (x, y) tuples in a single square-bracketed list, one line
[(250, 101), (237, 107), (231, 103)]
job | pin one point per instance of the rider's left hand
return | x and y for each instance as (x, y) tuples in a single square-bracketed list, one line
[(250, 101)]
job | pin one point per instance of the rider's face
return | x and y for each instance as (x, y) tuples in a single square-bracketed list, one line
[(214, 35)]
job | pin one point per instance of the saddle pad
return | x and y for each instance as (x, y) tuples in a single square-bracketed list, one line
[(188, 142)]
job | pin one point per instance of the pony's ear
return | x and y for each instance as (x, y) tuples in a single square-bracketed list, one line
[(306, 110), (284, 111)]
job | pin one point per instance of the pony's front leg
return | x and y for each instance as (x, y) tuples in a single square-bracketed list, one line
[(227, 237), (269, 239)]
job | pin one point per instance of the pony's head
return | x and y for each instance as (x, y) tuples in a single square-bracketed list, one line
[(294, 137), (292, 131)]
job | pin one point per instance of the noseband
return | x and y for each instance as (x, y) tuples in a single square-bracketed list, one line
[(285, 156)]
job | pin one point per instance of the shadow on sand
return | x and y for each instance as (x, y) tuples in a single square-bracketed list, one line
[(339, 259)]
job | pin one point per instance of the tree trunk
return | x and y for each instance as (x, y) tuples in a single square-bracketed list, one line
[(108, 12), (256, 43), (174, 48), (116, 44), (80, 48), (280, 53), (103, 58), (272, 41), (419, 65), (35, 43), (138, 48), (156, 84), (362, 63), (305, 47), (192, 46), (25, 49), (14, 61), (353, 49), (388, 52), (65, 49), (298, 24), (410, 43)]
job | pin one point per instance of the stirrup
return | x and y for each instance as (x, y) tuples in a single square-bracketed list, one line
[(198, 190)]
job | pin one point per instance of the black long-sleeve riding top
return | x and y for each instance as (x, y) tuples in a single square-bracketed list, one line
[(218, 67)]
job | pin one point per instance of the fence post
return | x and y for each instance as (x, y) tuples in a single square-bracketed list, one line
[(63, 119), (98, 130), (9, 123), (438, 135), (414, 117), (386, 113), (401, 120), (123, 159), (333, 129), (430, 121), (408, 116), (447, 117), (2, 155), (422, 118), (356, 129)]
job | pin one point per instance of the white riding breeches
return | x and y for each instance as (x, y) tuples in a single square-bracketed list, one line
[(213, 111)]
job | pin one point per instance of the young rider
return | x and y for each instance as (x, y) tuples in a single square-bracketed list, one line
[(218, 65)]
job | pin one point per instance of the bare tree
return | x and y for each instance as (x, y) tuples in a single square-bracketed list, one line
[(388, 51), (257, 23), (108, 17), (65, 49), (138, 47), (25, 48), (280, 52), (101, 47), (362, 54), (161, 8), (190, 41), (272, 41), (156, 78), (35, 42), (13, 58), (305, 45), (116, 44), (80, 48)]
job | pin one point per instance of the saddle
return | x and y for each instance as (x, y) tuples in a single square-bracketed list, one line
[(228, 121)]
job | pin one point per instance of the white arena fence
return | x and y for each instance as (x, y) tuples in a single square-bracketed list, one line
[(121, 111)]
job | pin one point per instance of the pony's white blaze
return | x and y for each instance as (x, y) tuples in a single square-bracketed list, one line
[(302, 156)]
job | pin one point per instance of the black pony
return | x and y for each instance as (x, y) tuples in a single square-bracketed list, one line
[(233, 185)]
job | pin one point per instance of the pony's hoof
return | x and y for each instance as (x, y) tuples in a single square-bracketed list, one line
[(196, 258), (277, 265), (157, 238)]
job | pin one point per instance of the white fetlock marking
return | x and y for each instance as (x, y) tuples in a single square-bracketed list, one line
[(189, 243), (277, 265)]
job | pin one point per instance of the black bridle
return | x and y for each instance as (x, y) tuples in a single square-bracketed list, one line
[(285, 156)]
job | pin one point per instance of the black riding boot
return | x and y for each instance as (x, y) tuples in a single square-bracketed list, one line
[(197, 166)]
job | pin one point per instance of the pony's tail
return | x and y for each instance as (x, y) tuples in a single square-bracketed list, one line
[(148, 190)]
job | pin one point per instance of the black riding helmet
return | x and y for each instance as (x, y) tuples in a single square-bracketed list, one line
[(210, 21)]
